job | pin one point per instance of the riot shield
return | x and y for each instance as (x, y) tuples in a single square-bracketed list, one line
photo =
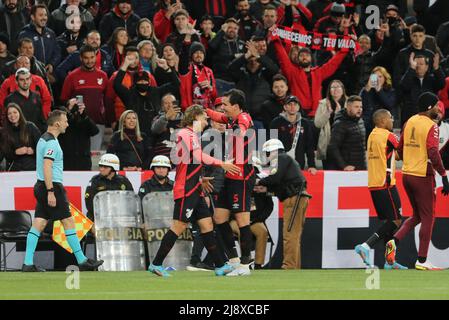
[(118, 229), (157, 210)]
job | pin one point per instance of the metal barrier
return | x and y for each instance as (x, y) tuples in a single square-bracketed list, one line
[(119, 233), (157, 210)]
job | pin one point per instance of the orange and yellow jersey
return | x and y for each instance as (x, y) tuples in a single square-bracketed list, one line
[(381, 158), (418, 143)]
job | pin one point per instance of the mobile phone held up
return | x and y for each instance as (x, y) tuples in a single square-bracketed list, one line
[(373, 79)]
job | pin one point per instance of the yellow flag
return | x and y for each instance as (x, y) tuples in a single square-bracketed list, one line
[(82, 227)]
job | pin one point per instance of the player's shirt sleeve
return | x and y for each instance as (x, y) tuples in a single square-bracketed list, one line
[(393, 141), (433, 153), (51, 150), (217, 116), (244, 123)]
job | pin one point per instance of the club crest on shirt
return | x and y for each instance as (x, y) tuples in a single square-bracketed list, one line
[(81, 81), (49, 152), (100, 81)]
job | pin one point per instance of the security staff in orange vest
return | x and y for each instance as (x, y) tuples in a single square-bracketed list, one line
[(418, 148), (382, 144)]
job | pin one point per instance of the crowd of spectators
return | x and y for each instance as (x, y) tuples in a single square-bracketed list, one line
[(134, 66)]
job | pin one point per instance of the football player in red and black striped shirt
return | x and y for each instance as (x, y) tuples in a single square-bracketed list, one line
[(187, 192), (235, 196)]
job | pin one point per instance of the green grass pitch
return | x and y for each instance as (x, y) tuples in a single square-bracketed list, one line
[(263, 284)]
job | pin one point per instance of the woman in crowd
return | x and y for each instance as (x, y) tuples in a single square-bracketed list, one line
[(116, 46), (145, 31), (324, 118), (168, 53), (130, 145), (19, 140), (377, 94), (148, 55)]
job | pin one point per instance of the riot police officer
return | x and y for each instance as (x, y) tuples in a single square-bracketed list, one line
[(289, 185), (159, 182), (108, 179)]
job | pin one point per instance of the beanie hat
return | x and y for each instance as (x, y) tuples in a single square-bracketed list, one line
[(4, 38), (427, 101), (180, 12), (196, 46)]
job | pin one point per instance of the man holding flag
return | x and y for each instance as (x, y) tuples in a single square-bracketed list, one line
[(51, 196)]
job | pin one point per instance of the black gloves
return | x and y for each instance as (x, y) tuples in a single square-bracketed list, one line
[(445, 190)]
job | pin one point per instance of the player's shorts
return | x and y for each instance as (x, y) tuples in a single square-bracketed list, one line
[(43, 210), (236, 195), (191, 208), (387, 203)]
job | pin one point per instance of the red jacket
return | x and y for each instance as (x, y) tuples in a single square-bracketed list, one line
[(37, 85), (297, 77), (444, 94), (186, 88), (163, 26)]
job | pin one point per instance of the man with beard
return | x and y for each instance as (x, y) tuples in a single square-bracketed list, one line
[(306, 81), (59, 17), (103, 61), (198, 84), (274, 105), (44, 39), (248, 25), (141, 97), (121, 15), (37, 85), (225, 47), (29, 101), (418, 148), (346, 150), (12, 20), (90, 83)]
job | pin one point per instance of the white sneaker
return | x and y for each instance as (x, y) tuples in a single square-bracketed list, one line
[(426, 266), (241, 270)]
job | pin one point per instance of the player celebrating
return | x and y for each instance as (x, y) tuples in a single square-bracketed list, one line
[(235, 196), (382, 144), (189, 200), (51, 196), (418, 148)]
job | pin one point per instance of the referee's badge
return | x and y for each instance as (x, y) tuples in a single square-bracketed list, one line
[(49, 152)]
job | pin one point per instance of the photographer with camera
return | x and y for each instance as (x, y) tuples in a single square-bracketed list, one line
[(75, 142)]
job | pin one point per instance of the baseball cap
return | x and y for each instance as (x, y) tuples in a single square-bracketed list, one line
[(291, 99)]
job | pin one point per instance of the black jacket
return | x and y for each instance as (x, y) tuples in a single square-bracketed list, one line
[(373, 100), (256, 86), (270, 109), (66, 40), (442, 38), (8, 149), (152, 185), (411, 88), (223, 52), (305, 145), (111, 21), (31, 107), (99, 183), (285, 178), (347, 144), (75, 142), (12, 24), (125, 151), (146, 106)]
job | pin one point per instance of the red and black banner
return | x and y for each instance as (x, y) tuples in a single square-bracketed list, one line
[(314, 40)]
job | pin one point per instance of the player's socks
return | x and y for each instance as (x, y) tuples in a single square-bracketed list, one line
[(246, 238), (74, 243), (385, 231), (32, 239), (210, 242), (228, 239), (422, 259), (168, 241)]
